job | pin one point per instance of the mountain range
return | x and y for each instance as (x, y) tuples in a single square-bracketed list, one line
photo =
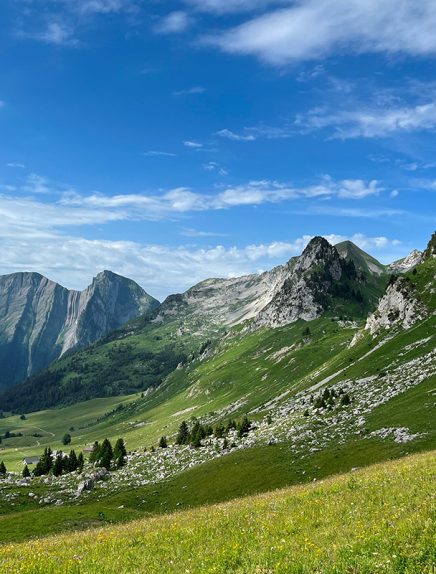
[(114, 338)]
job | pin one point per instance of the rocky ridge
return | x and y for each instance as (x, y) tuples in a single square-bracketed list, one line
[(399, 307), (40, 320)]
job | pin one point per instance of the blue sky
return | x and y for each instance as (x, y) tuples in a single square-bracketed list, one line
[(172, 141)]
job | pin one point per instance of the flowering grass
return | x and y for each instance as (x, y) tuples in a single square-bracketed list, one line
[(377, 520)]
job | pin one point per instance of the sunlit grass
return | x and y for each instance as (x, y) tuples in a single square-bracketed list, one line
[(378, 520)]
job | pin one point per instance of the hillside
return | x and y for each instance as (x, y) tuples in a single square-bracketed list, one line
[(322, 396), (140, 355), (373, 520), (41, 321)]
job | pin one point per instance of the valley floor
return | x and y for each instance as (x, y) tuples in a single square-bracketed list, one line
[(375, 520)]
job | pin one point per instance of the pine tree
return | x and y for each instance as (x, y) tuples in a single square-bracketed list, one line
[(183, 436), (106, 454), (58, 465), (120, 453), (163, 442), (80, 462), (345, 399), (244, 427), (45, 463), (225, 444), (26, 471), (66, 439), (2, 469), (73, 463)]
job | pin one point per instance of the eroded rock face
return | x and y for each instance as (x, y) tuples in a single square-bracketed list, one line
[(402, 265), (399, 307), (301, 296), (41, 320)]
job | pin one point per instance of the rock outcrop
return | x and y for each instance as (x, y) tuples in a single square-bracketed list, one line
[(414, 258), (40, 320), (399, 307), (319, 276)]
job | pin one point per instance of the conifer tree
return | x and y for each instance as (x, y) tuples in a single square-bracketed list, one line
[(183, 436), (163, 442), (72, 461), (120, 453), (80, 462), (244, 427), (2, 469), (26, 471), (58, 465), (106, 454)]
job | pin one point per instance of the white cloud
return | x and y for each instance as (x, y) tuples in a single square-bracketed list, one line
[(228, 134), (261, 131), (190, 91), (182, 200), (213, 166), (160, 269), (100, 6), (157, 153), (370, 122), (312, 29), (189, 232), (230, 6), (57, 32), (192, 144), (16, 165), (174, 23)]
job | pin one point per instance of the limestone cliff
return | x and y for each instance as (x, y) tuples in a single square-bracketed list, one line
[(41, 320)]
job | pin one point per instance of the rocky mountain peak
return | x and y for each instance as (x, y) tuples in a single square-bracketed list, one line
[(40, 320), (317, 250)]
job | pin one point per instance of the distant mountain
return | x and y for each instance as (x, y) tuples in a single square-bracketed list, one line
[(406, 263), (141, 354), (322, 281), (40, 320)]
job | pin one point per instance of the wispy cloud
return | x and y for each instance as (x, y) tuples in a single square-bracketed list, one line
[(230, 135), (317, 28), (370, 122), (174, 23), (161, 269), (15, 165), (189, 232), (190, 91), (261, 131), (192, 144), (183, 200), (230, 6), (213, 166), (57, 32), (157, 153)]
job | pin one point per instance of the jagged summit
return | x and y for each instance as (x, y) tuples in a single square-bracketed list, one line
[(40, 320)]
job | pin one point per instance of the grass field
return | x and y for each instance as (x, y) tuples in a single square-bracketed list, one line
[(376, 520)]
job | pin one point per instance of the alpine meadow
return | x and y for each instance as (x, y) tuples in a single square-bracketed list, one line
[(217, 287)]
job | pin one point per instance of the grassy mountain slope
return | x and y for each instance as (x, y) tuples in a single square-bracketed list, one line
[(141, 354), (373, 520)]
